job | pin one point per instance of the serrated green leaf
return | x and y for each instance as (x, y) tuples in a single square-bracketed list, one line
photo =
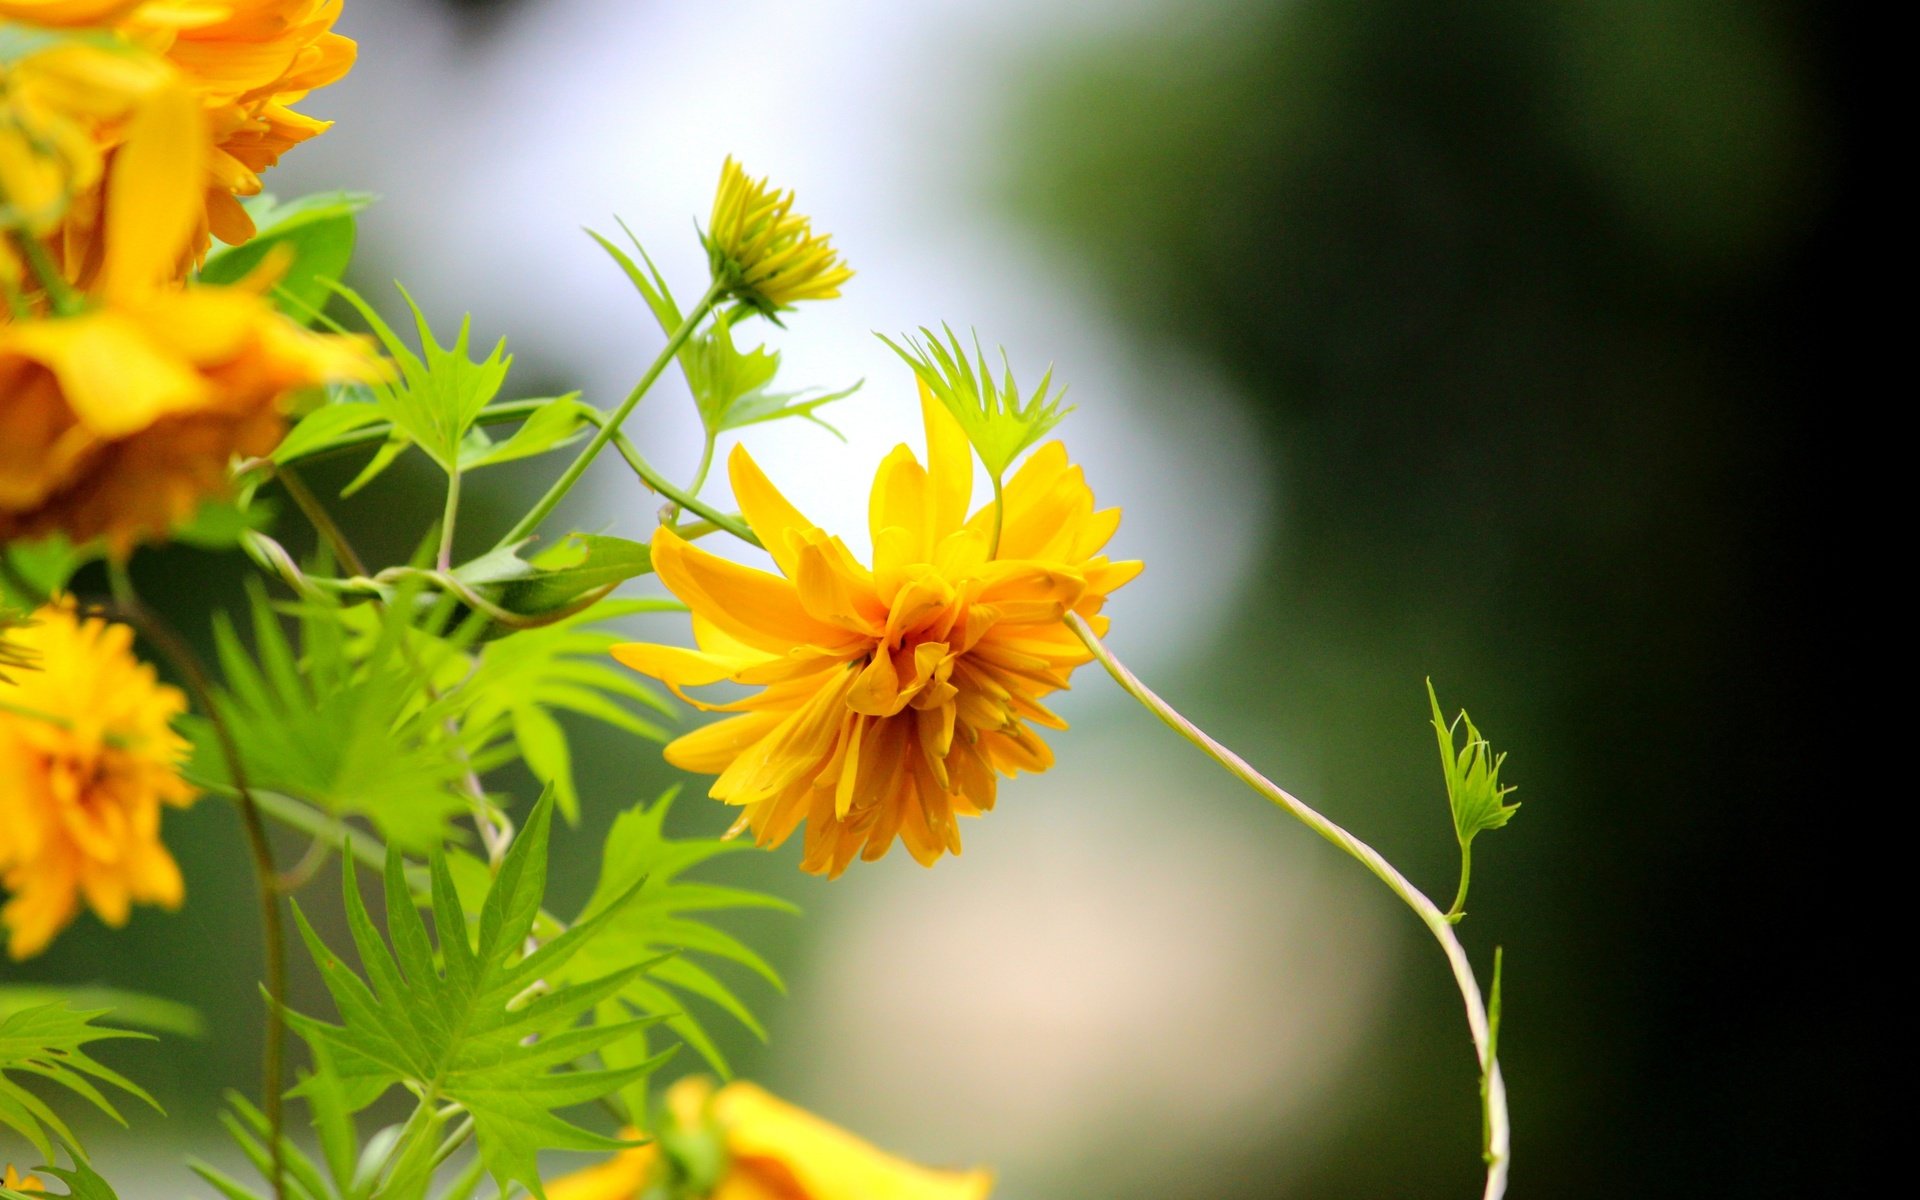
[(440, 390), (464, 1030), (557, 422), (661, 918), (133, 1008), (1474, 791), (998, 423), (340, 726), (323, 428), (46, 1041)]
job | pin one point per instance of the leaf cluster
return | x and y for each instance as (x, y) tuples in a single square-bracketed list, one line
[(999, 424), (732, 389), (49, 1041), (482, 1021), (1474, 791)]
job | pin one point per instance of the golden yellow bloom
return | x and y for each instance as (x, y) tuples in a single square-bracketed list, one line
[(61, 109), (11, 1180), (772, 1151), (246, 62), (88, 757), (893, 697), (767, 254), (117, 421)]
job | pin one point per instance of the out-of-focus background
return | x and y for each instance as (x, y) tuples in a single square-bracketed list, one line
[(1465, 341)]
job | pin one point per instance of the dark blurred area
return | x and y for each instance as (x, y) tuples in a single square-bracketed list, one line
[(1529, 300)]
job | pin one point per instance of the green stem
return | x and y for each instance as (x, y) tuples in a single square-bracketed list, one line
[(999, 516), (578, 467), (60, 293), (1494, 1091), (266, 875), (1459, 907), (322, 520), (447, 519), (672, 512)]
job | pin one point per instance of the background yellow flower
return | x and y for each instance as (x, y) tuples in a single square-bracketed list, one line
[(88, 758), (772, 1151), (893, 697)]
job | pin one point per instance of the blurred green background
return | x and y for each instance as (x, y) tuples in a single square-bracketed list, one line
[(1515, 306)]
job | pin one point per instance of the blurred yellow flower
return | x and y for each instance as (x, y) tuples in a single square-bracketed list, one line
[(892, 698), (118, 421), (769, 1150), (245, 61), (12, 1181), (767, 254), (88, 757)]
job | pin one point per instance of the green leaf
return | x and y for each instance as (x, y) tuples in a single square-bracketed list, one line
[(46, 1041), (339, 724), (347, 411), (1000, 426), (134, 1008), (664, 918), (47, 564), (465, 1029), (313, 235), (440, 391), (556, 423), (220, 524), (525, 679), (1472, 769), (83, 1183)]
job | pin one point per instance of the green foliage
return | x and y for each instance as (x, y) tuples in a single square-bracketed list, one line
[(1474, 790), (524, 680), (661, 917), (578, 572), (133, 1008), (439, 393), (83, 1183), (999, 424), (343, 724), (309, 241), (47, 1041), (731, 389), (490, 1027), (43, 567)]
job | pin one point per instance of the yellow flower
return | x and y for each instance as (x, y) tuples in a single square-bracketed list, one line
[(893, 697), (766, 254), (246, 62), (11, 1180), (770, 1151), (88, 757), (118, 421)]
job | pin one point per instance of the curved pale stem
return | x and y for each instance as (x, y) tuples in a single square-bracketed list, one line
[(1498, 1133), (578, 467)]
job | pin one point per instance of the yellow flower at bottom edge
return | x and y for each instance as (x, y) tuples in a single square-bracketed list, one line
[(88, 759), (772, 1151), (893, 697), (11, 1180)]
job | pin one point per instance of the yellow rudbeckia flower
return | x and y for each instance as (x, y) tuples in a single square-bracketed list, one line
[(117, 421), (88, 758), (246, 62), (767, 254), (893, 696), (770, 1151)]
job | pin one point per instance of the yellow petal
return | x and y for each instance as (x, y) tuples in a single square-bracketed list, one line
[(157, 192), (768, 513), (949, 466), (767, 1134), (762, 610)]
